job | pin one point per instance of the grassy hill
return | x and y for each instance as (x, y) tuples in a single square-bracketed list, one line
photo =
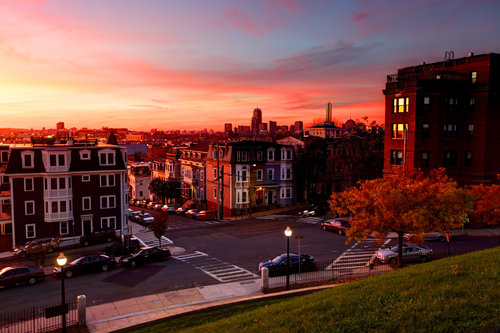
[(458, 294)]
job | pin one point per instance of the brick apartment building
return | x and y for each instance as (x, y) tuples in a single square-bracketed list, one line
[(68, 188), (252, 175), (446, 114)]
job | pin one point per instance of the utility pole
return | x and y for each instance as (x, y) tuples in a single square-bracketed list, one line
[(218, 183)]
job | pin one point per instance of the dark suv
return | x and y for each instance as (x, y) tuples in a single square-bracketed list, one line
[(119, 248), (98, 236)]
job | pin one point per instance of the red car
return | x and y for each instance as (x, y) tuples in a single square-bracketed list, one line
[(10, 276), (206, 215), (339, 225)]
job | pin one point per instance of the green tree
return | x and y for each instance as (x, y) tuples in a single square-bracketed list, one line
[(403, 202), (159, 226)]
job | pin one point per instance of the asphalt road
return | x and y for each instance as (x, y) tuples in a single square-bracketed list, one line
[(225, 245)]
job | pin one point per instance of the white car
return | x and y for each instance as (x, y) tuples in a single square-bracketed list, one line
[(146, 218), (410, 253)]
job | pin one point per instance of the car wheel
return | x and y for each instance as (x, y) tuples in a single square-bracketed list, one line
[(32, 280), (104, 268), (50, 250), (68, 274), (393, 261), (86, 243), (441, 238), (133, 263), (423, 259)]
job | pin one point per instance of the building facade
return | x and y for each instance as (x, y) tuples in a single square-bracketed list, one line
[(248, 175), (192, 161), (66, 189), (139, 176), (445, 114)]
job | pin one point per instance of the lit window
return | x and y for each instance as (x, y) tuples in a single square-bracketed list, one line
[(398, 130), (396, 157), (473, 77)]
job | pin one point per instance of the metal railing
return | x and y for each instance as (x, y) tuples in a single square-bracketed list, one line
[(33, 319)]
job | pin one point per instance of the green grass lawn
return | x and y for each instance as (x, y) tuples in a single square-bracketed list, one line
[(458, 294)]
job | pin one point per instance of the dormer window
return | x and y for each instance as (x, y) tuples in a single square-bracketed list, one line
[(85, 155), (270, 155), (5, 156), (106, 157), (57, 160), (27, 158)]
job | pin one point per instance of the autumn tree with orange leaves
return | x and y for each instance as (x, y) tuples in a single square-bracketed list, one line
[(486, 204), (404, 202)]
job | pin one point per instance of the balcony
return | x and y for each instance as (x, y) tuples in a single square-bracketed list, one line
[(58, 217)]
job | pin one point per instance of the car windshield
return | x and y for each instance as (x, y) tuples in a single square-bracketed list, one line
[(279, 259), (76, 261), (394, 249), (5, 270)]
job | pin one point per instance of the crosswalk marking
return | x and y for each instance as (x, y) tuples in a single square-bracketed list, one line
[(273, 217), (357, 256), (216, 268)]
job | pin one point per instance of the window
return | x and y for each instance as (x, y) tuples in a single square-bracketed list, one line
[(27, 157), (426, 104), (243, 175), (472, 104), (30, 231), (215, 173), (473, 77), (107, 158), (5, 156), (450, 158), (63, 228), (107, 180), (86, 203), (28, 184), (85, 155), (398, 130), (396, 157), (108, 222), (107, 201), (29, 207), (401, 105), (62, 183), (57, 160), (450, 130), (5, 179), (468, 158), (470, 130), (260, 175), (238, 156), (286, 193), (427, 100), (451, 103), (244, 156), (244, 196), (215, 193), (270, 174), (270, 155), (289, 155), (425, 130), (424, 159), (259, 155), (286, 173), (85, 178), (241, 196)]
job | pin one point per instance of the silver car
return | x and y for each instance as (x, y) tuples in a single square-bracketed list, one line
[(428, 236), (410, 253)]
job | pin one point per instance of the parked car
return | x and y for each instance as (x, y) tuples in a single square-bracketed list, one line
[(42, 245), (146, 218), (339, 225), (134, 216), (206, 215), (87, 264), (98, 236), (145, 255), (157, 206), (428, 236), (131, 202), (14, 275), (410, 253), (315, 210), (192, 213), (181, 211), (119, 248), (168, 209), (278, 265)]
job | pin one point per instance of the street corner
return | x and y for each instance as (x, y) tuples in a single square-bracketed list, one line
[(176, 250)]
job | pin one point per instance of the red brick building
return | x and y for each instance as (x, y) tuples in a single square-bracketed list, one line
[(445, 114)]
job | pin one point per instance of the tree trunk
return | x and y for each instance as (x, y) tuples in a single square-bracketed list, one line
[(400, 249)]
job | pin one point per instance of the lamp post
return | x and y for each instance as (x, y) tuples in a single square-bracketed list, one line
[(61, 261), (288, 233)]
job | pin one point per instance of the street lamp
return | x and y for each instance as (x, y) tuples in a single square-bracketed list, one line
[(288, 233), (61, 261)]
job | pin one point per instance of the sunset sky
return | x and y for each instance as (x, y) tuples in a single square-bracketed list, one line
[(145, 64)]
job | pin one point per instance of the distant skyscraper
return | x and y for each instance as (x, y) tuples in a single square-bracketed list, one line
[(60, 126), (263, 127), (228, 128), (328, 112), (256, 119), (298, 126), (272, 127)]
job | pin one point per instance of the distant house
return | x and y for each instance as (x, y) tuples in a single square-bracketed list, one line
[(139, 179), (136, 152), (248, 175), (192, 163)]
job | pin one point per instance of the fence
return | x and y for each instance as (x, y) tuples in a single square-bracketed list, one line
[(33, 319), (332, 271)]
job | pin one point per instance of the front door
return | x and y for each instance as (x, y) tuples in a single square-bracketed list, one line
[(270, 195), (87, 226)]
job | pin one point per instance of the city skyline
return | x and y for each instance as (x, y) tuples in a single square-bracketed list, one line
[(144, 65)]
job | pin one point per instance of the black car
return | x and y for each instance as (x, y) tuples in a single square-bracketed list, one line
[(87, 264), (338, 225), (98, 236), (120, 248), (145, 255), (13, 275), (278, 265)]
